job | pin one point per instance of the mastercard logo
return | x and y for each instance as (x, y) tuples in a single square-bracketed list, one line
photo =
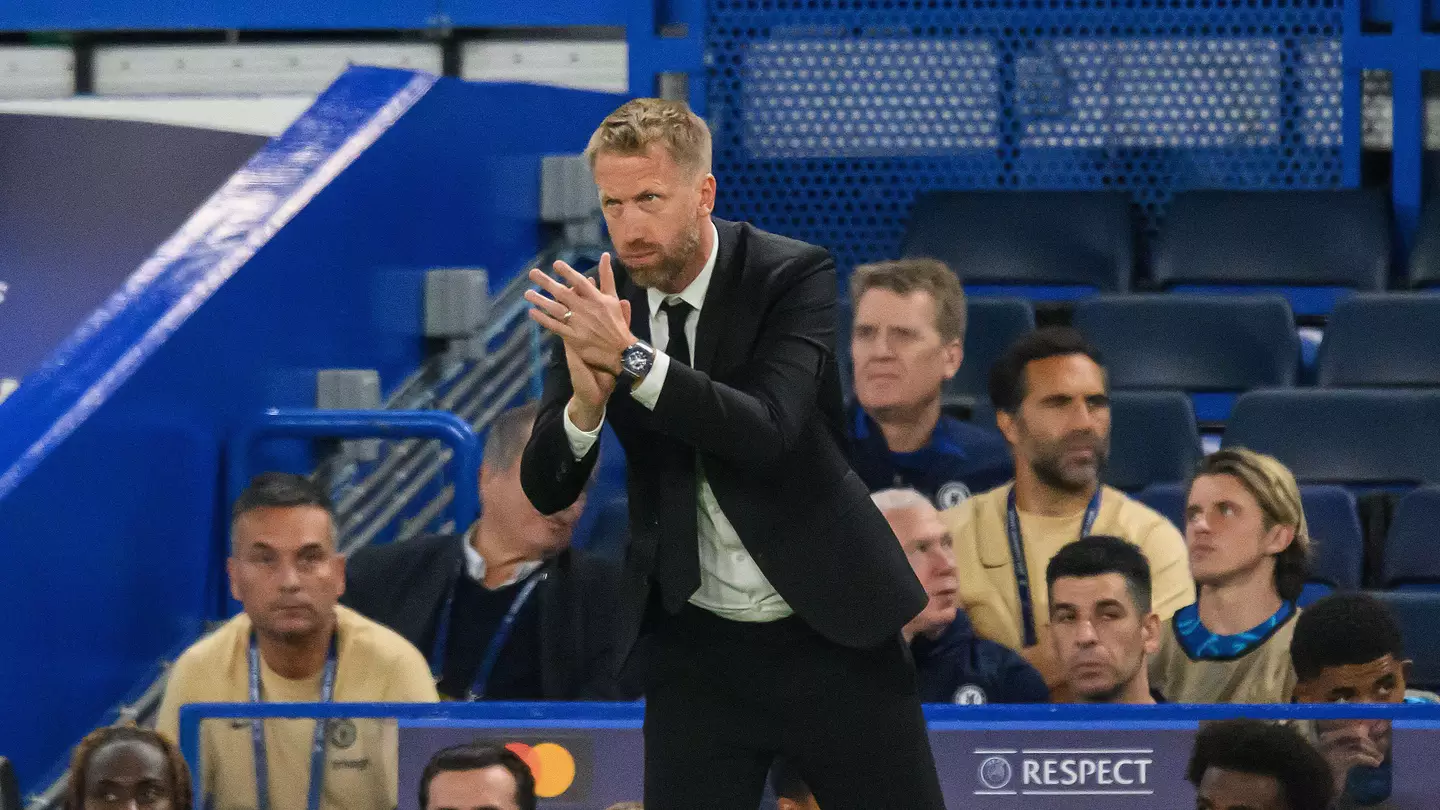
[(552, 765)]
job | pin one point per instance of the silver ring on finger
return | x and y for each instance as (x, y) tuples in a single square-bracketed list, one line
[(566, 317)]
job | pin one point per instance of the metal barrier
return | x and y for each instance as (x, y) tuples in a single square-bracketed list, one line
[(1076, 757), (464, 459)]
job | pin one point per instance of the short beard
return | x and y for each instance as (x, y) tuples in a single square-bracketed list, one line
[(672, 264), (1047, 467), (1117, 691)]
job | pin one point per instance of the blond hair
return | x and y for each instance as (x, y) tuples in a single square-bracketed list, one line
[(640, 123), (1273, 486), (904, 276)]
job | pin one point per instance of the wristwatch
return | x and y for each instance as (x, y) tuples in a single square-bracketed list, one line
[(637, 360)]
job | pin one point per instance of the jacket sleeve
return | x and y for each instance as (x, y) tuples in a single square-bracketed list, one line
[(756, 419), (599, 581), (549, 473)]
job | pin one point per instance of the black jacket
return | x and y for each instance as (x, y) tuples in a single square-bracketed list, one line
[(403, 586), (762, 410), (959, 667)]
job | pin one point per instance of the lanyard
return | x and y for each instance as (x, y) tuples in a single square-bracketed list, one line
[(497, 641), (317, 746), (1022, 568)]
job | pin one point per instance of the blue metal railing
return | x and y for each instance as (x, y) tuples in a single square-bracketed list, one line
[(464, 462)]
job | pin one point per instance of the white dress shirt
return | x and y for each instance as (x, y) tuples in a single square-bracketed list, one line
[(476, 567), (731, 584)]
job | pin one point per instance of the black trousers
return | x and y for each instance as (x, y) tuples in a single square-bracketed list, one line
[(723, 698)]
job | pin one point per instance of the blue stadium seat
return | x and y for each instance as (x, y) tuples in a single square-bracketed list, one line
[(992, 324), (1416, 614), (1053, 244), (1196, 343), (1364, 437), (1425, 256), (1153, 438), (1382, 339), (1412, 546), (1310, 245), (1332, 517)]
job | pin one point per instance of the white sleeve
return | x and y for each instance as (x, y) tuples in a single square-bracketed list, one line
[(647, 393), (581, 440)]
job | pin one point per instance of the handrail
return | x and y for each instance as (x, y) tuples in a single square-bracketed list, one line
[(298, 423)]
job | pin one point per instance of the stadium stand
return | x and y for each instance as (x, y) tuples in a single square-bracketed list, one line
[(1209, 346), (992, 324), (1343, 436), (1311, 245), (1412, 555), (1416, 613), (1382, 339), (1043, 244), (1425, 256), (1334, 523)]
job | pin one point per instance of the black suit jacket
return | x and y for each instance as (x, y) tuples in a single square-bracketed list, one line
[(403, 586), (762, 411)]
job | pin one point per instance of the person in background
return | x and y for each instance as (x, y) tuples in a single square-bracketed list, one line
[(907, 340), (953, 666), (791, 792), (1052, 405), (129, 767), (1101, 622), (1348, 649), (1254, 765), (1249, 554), (294, 644), (506, 611), (477, 777)]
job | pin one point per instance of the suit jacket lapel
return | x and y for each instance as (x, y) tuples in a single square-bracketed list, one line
[(718, 297)]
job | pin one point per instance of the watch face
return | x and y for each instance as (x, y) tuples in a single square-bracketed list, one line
[(636, 360)]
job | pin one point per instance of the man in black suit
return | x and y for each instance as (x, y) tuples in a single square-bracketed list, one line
[(770, 589), (450, 595)]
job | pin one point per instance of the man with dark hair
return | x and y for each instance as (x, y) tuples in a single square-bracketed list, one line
[(507, 610), (1052, 405), (906, 341), (1347, 649), (477, 777), (294, 644), (1249, 554), (1101, 622), (1252, 765), (791, 792)]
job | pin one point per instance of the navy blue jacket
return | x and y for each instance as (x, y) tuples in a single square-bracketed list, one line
[(960, 459), (957, 667)]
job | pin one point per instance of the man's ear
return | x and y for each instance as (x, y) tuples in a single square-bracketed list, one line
[(954, 356), (1006, 423), (1150, 632), (1279, 538)]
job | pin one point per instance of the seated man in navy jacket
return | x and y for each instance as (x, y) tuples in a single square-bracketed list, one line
[(952, 664), (507, 610), (907, 340)]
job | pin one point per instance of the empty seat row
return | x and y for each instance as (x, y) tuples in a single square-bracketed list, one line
[(1307, 244), (1206, 344)]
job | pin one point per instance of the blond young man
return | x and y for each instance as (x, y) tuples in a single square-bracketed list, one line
[(1249, 553)]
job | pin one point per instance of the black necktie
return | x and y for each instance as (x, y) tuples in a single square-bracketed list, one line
[(678, 346), (677, 559)]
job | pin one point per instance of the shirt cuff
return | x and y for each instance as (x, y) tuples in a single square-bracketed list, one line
[(647, 393), (581, 440)]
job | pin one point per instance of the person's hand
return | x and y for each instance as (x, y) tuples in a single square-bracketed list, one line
[(592, 319), (1349, 745), (592, 387)]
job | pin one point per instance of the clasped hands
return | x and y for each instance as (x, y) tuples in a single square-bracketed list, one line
[(594, 323)]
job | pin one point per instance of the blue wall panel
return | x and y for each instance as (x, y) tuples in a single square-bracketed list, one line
[(111, 537), (82, 203)]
